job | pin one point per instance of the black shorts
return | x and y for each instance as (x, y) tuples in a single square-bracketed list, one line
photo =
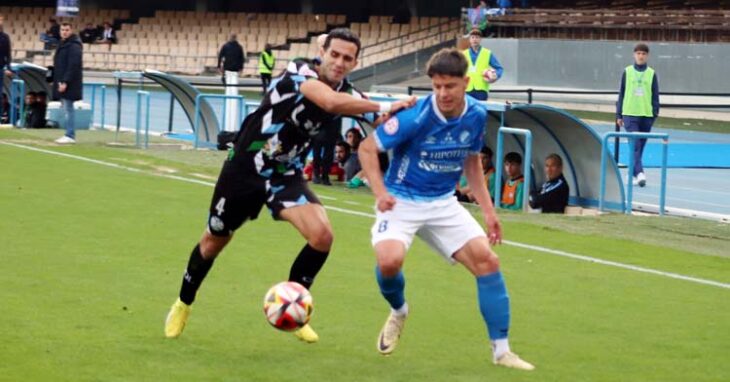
[(241, 193)]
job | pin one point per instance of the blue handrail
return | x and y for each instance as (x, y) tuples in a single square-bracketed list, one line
[(630, 186), (196, 124), (527, 164), (20, 85), (93, 86), (146, 95)]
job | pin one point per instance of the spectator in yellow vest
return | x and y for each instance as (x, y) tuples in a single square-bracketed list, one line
[(484, 68), (266, 66), (638, 104), (513, 187)]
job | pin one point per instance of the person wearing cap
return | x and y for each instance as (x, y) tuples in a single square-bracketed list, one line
[(484, 68), (638, 104)]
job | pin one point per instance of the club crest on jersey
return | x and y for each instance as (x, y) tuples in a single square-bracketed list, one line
[(464, 136), (391, 126)]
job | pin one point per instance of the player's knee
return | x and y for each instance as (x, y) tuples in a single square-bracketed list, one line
[(489, 263), (321, 238), (390, 266)]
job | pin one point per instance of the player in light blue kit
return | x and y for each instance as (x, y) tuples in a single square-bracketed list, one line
[(432, 144)]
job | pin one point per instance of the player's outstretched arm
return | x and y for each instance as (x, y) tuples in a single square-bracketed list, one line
[(475, 178), (368, 155), (341, 103)]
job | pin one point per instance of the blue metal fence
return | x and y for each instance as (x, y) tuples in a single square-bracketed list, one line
[(632, 137), (146, 95), (200, 97)]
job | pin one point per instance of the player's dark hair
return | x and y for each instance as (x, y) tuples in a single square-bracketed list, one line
[(343, 34), (556, 158), (513, 157), (641, 47), (66, 24), (447, 62)]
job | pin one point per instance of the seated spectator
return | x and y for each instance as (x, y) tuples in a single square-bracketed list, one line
[(352, 166), (28, 109), (505, 4), (553, 196), (513, 187), (477, 17), (38, 115), (89, 34), (52, 36), (108, 36), (463, 191), (337, 170)]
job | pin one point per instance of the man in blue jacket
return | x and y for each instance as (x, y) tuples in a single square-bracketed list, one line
[(68, 78)]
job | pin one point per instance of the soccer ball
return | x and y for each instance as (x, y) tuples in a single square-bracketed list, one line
[(288, 306), (490, 75)]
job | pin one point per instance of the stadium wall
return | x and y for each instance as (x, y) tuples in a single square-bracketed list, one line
[(598, 64)]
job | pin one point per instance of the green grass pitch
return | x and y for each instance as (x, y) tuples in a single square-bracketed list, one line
[(92, 258)]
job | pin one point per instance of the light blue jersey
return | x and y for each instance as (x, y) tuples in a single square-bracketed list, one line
[(429, 150)]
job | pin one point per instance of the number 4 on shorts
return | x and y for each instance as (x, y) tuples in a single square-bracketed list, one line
[(219, 206)]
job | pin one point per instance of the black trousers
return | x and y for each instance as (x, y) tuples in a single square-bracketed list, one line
[(265, 80)]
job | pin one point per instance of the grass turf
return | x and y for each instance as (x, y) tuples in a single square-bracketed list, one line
[(94, 255)]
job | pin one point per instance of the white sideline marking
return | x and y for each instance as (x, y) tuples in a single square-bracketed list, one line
[(369, 215)]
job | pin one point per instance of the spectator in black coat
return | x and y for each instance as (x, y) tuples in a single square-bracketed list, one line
[(5, 58), (89, 34), (553, 196), (230, 63), (68, 78)]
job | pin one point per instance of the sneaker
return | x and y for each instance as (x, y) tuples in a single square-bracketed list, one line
[(641, 179), (635, 181), (176, 319), (326, 181), (513, 361), (65, 140), (307, 334), (389, 335)]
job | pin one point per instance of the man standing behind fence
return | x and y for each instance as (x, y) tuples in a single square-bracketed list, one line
[(5, 59), (230, 63), (638, 104), (68, 78)]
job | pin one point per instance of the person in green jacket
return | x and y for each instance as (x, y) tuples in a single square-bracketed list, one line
[(513, 188), (266, 66)]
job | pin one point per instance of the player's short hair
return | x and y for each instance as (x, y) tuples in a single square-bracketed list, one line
[(513, 157), (66, 24), (447, 62), (641, 47), (556, 158), (343, 34), (475, 32)]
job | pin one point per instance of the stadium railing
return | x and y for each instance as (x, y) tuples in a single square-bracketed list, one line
[(632, 137)]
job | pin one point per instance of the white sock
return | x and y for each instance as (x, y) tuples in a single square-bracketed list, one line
[(499, 347), (402, 311)]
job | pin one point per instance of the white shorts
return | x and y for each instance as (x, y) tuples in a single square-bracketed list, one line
[(445, 225)]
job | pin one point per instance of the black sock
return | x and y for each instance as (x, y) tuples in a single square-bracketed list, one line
[(198, 267), (307, 265)]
